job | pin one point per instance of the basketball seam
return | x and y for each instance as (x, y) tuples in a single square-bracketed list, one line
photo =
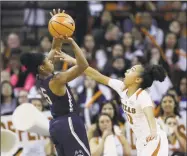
[(62, 24), (54, 28)]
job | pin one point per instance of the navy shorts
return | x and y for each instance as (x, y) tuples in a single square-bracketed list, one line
[(68, 133)]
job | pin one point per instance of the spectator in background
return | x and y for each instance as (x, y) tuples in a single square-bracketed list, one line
[(90, 49), (111, 108), (37, 102), (105, 141), (20, 78), (45, 44), (5, 76), (22, 97), (175, 28), (86, 93), (8, 101), (153, 30), (106, 22), (13, 46), (169, 107), (118, 67), (176, 136), (183, 96)]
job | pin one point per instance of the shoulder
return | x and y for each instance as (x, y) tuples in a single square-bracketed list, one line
[(142, 94)]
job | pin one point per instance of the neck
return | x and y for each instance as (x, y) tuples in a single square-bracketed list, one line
[(44, 76), (132, 89), (166, 114), (7, 99)]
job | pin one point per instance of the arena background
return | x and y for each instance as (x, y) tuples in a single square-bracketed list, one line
[(113, 36)]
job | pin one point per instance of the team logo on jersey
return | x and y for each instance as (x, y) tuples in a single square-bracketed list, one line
[(129, 109), (79, 153)]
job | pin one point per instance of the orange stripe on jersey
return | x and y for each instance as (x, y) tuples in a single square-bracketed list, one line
[(155, 153), (138, 93)]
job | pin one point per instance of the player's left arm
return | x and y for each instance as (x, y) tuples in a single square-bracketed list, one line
[(57, 42), (146, 104)]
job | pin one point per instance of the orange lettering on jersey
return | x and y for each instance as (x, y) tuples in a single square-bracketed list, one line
[(133, 110), (130, 119)]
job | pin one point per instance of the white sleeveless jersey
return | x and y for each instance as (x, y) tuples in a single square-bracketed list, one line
[(133, 107)]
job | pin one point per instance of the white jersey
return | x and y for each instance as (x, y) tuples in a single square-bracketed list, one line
[(133, 106)]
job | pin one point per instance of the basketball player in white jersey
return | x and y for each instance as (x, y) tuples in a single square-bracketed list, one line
[(136, 102)]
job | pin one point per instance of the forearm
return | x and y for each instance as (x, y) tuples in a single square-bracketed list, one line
[(151, 119), (99, 149), (80, 59), (56, 46), (182, 142)]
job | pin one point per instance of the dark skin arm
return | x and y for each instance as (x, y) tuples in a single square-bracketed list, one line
[(57, 42), (63, 77)]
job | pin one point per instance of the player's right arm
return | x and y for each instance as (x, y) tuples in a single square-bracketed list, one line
[(115, 84), (77, 69)]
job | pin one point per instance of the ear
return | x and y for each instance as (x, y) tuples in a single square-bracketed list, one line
[(138, 80), (41, 68)]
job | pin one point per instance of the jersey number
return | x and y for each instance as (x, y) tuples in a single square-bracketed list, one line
[(129, 117), (46, 96)]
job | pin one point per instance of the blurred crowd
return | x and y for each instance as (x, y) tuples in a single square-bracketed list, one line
[(150, 33)]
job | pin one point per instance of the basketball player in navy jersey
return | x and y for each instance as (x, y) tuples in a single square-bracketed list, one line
[(67, 129)]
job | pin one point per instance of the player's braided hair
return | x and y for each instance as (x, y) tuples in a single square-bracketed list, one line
[(31, 61), (152, 73)]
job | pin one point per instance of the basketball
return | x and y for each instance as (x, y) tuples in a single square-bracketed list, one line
[(61, 24)]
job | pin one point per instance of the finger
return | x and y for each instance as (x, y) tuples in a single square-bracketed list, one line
[(54, 11), (51, 14), (58, 10)]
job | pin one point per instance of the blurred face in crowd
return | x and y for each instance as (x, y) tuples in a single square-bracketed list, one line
[(6, 89), (117, 50), (89, 83), (175, 27), (183, 84), (168, 104), (37, 103), (106, 18), (119, 64), (2, 47), (174, 93), (127, 39), (89, 42), (14, 62), (171, 124), (45, 44), (23, 97), (105, 123), (13, 41), (155, 56), (170, 40), (5, 76), (132, 75), (108, 109), (135, 61), (139, 3)]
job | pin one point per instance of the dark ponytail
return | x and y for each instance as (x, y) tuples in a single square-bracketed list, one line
[(31, 61), (151, 73)]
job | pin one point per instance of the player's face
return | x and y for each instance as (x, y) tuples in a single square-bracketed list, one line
[(132, 75), (47, 66), (105, 123), (108, 109), (168, 104)]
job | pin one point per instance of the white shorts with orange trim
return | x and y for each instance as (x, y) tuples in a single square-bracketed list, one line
[(156, 147)]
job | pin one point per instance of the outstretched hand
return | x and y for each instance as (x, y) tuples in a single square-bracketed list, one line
[(54, 12), (64, 57)]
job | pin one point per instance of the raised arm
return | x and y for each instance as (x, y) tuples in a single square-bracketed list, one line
[(57, 42), (91, 72), (76, 70)]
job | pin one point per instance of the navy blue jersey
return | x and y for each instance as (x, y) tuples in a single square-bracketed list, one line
[(59, 105)]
